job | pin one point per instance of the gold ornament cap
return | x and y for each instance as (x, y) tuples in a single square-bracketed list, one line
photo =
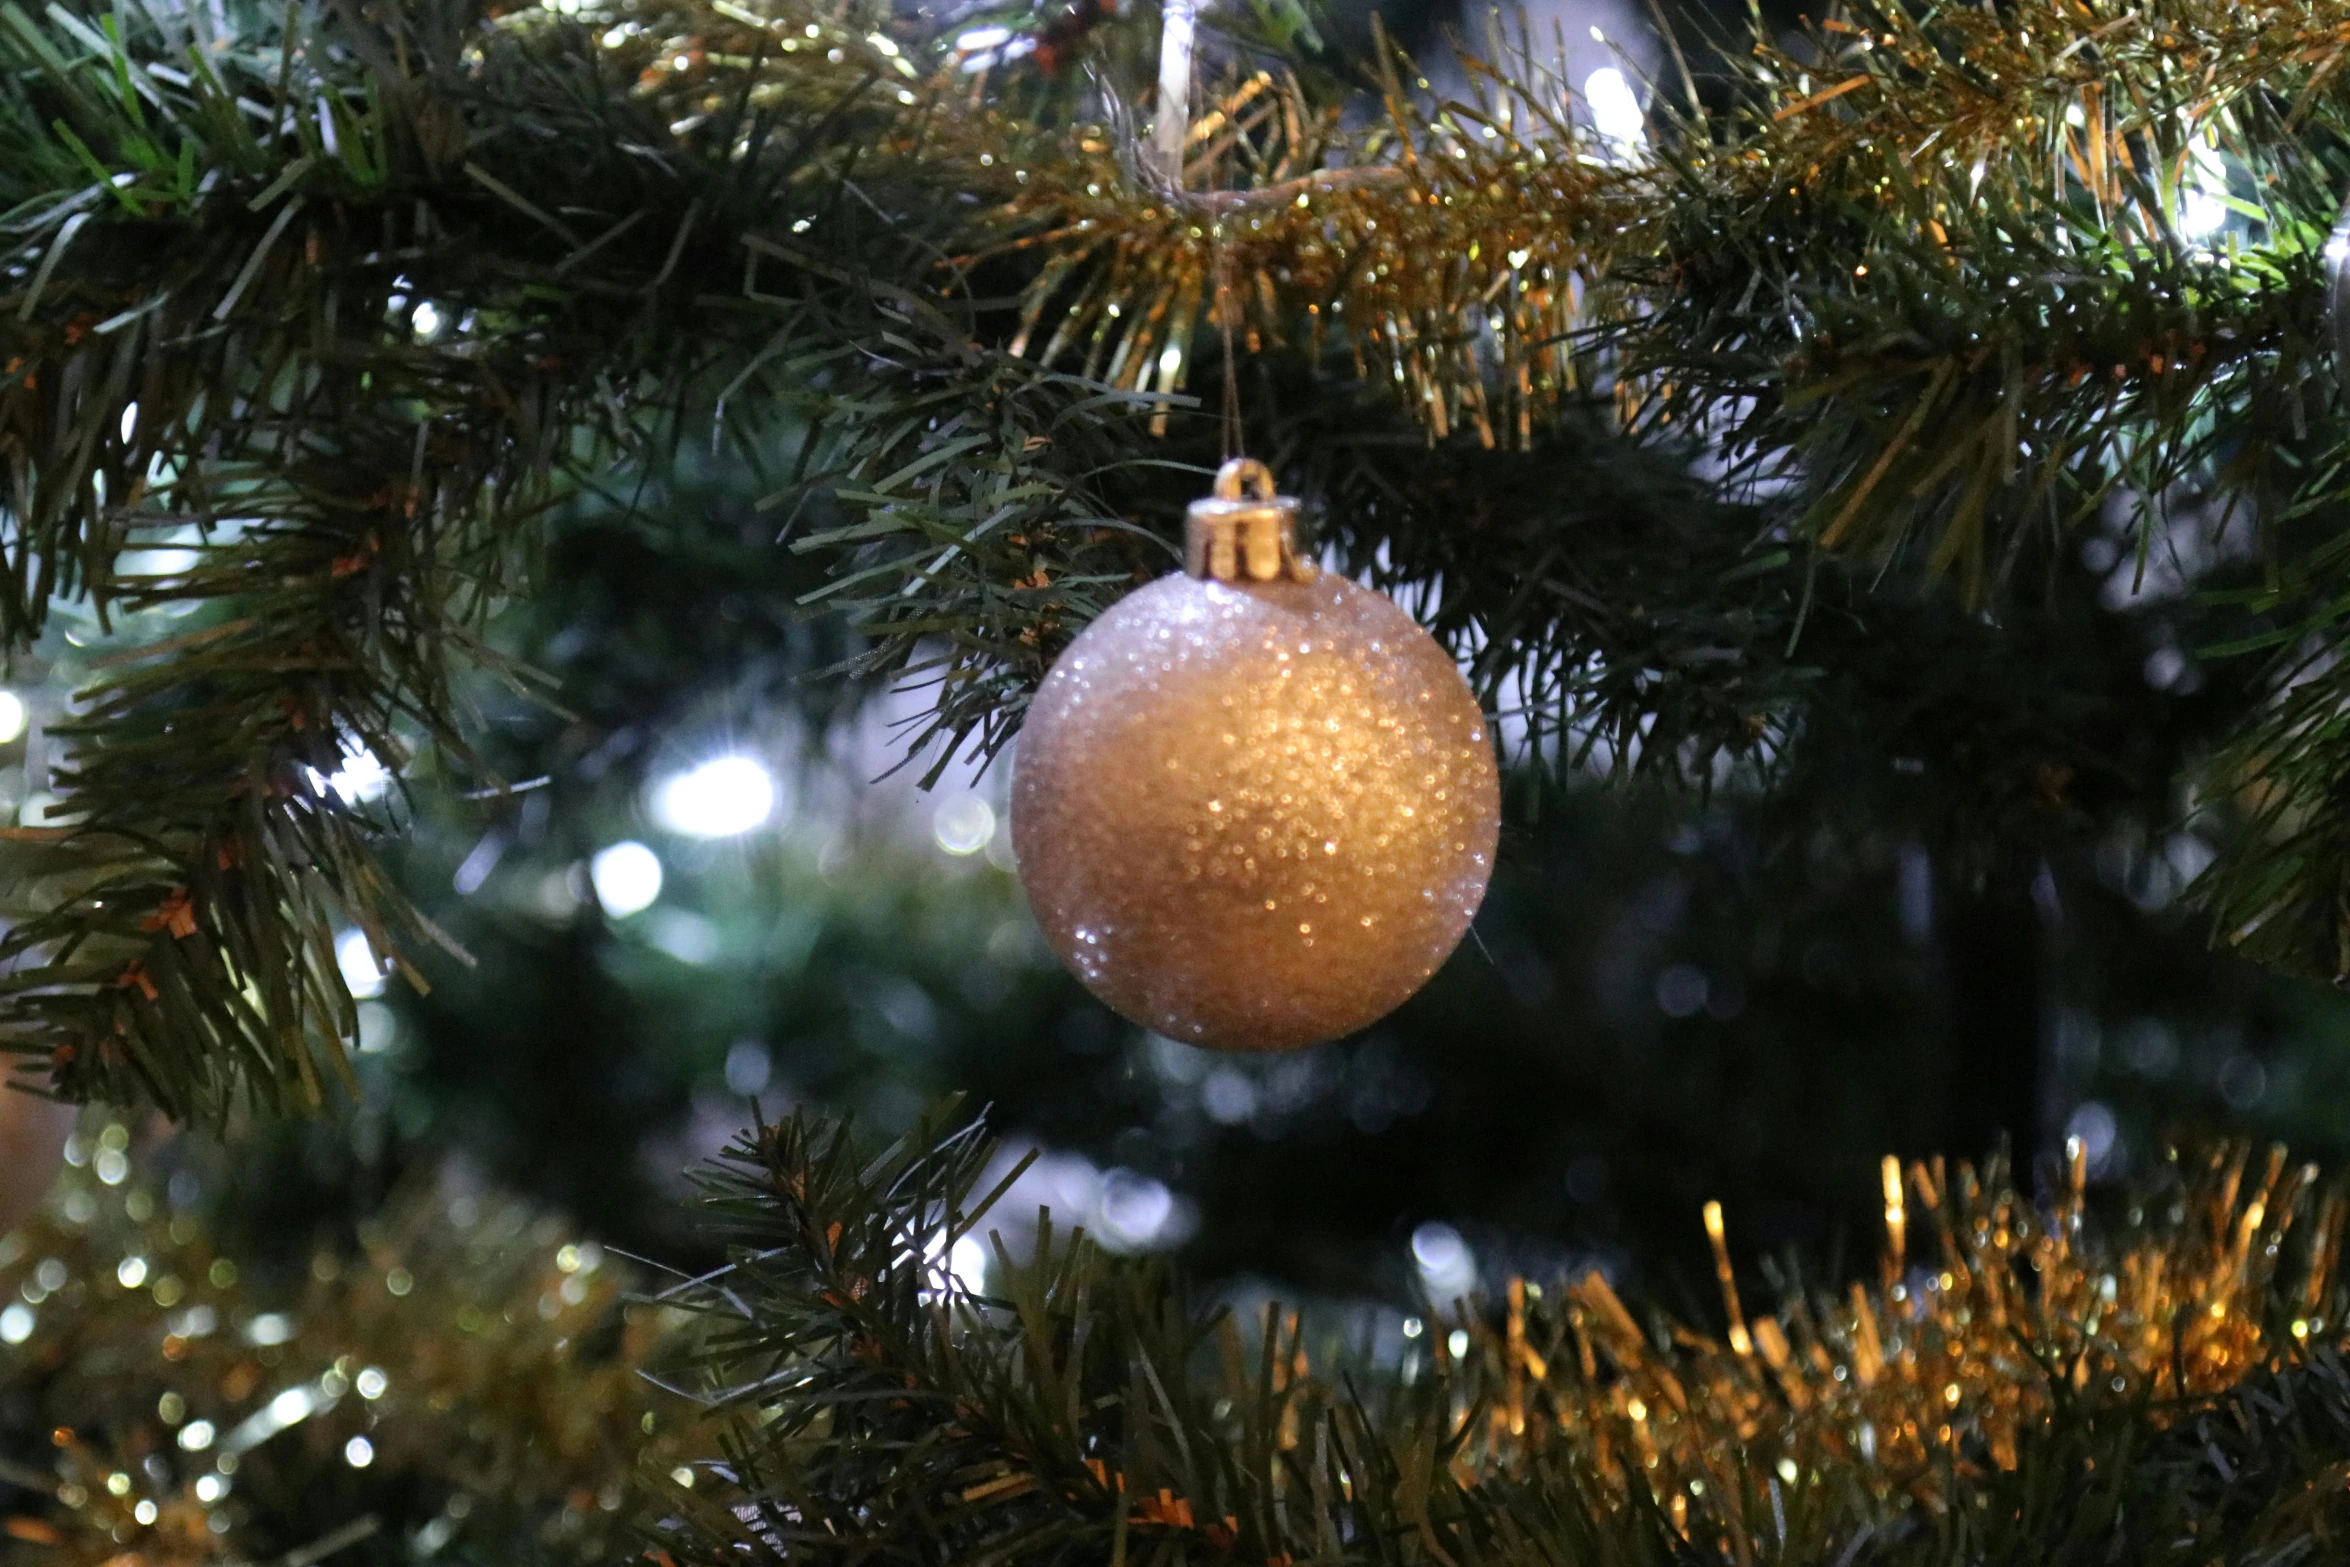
[(1243, 531)]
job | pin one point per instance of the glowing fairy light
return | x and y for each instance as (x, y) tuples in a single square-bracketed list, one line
[(722, 798), (968, 1261), (2203, 188), (627, 878), (1447, 1266), (1615, 108), (965, 1262), (363, 971), (362, 777), (1135, 1212)]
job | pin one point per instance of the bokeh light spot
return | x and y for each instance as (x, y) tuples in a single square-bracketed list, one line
[(627, 878), (722, 798)]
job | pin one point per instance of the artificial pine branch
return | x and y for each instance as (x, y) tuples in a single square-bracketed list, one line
[(385, 286), (366, 365), (2021, 1380)]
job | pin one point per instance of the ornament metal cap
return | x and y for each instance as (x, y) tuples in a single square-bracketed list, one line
[(1244, 530)]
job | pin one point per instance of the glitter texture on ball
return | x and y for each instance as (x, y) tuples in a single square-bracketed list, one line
[(1255, 815)]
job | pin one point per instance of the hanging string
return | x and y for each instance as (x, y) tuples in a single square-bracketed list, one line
[(1177, 32), (1227, 307)]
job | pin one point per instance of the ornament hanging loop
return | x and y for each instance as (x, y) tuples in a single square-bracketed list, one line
[(1244, 530)]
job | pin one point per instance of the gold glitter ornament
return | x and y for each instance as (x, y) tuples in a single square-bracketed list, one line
[(33, 1131), (1255, 805)]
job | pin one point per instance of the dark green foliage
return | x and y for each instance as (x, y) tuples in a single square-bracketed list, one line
[(365, 366), (388, 289), (351, 536), (1955, 318)]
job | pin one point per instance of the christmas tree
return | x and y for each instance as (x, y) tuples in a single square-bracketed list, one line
[(474, 473)]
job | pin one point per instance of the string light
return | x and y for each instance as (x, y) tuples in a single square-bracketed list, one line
[(2203, 207), (1615, 109), (627, 878), (363, 972), (1447, 1267), (362, 778), (721, 798)]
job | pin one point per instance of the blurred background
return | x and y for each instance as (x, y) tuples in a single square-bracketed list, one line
[(713, 882), (716, 883)]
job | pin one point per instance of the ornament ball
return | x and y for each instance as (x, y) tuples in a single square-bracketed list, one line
[(33, 1131), (1254, 814)]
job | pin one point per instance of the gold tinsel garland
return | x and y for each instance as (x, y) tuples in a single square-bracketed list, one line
[(2012, 1353), (1464, 244), (473, 1349), (1987, 1307), (469, 1350), (1460, 247)]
